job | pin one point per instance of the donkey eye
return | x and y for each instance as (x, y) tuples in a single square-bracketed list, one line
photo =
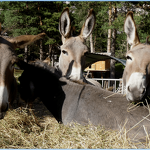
[(129, 58), (64, 52)]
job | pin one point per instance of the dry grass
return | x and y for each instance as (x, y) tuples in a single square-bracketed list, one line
[(19, 130)]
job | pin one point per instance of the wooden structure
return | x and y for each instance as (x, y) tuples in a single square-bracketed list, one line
[(100, 68)]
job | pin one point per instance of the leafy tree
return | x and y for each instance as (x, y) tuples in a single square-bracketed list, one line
[(32, 18), (19, 21), (19, 18)]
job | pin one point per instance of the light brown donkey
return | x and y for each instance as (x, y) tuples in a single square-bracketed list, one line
[(136, 76), (73, 49)]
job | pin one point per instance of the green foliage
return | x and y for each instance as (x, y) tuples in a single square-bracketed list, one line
[(20, 18), (50, 13), (119, 67)]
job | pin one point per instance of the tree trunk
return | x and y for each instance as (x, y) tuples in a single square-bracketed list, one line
[(41, 51), (91, 44), (26, 54), (112, 62), (109, 30), (26, 47), (50, 55), (0, 28), (94, 42), (52, 60), (29, 52), (50, 50), (127, 12), (41, 46)]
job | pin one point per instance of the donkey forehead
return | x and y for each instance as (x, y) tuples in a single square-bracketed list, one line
[(74, 44), (140, 47), (140, 56), (140, 52)]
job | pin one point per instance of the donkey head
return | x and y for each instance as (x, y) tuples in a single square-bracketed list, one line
[(73, 49), (136, 74)]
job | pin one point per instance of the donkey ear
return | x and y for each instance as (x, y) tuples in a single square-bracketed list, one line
[(23, 40), (130, 29), (64, 23), (89, 24)]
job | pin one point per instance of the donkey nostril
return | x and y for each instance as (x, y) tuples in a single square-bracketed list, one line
[(129, 89), (143, 91)]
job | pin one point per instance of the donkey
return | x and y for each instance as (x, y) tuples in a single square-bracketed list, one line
[(136, 76), (39, 80), (70, 102), (73, 49), (8, 58)]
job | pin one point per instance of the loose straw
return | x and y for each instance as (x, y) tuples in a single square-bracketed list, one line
[(138, 123)]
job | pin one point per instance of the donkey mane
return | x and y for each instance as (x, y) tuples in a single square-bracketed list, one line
[(45, 67)]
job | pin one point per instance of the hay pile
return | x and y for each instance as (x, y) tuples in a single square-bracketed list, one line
[(19, 130)]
